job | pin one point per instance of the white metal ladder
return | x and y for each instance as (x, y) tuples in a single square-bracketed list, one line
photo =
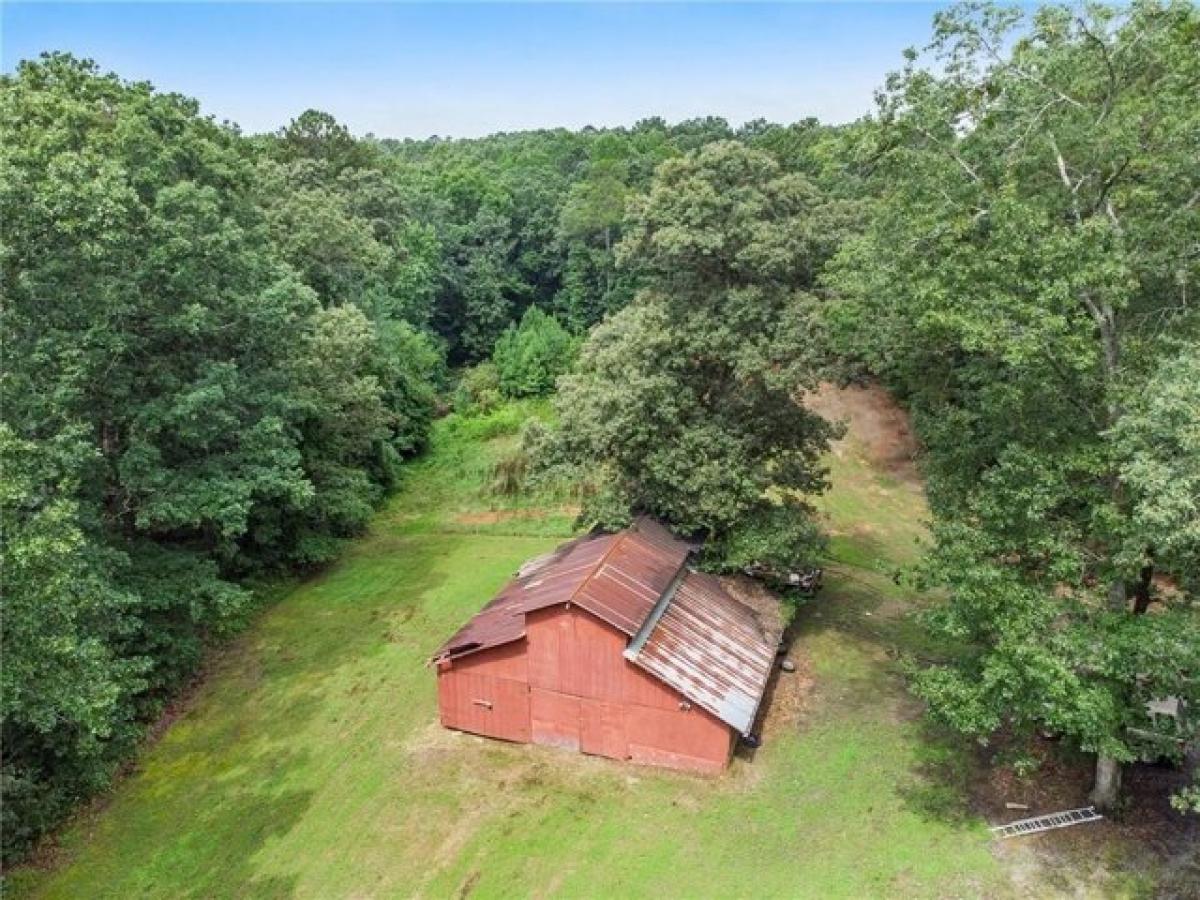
[(1047, 822)]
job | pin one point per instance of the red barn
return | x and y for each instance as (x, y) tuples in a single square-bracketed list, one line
[(613, 646)]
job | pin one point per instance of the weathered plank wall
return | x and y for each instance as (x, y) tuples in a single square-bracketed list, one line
[(567, 685)]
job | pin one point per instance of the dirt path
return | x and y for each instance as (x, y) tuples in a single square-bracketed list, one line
[(1148, 850), (875, 422)]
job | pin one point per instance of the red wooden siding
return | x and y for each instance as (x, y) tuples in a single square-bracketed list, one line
[(555, 718), (477, 694), (507, 661), (580, 694), (602, 729), (612, 646), (681, 739)]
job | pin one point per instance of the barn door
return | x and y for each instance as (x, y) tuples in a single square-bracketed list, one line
[(602, 729), (483, 704), (554, 719)]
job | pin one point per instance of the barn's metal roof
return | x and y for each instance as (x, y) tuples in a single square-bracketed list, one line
[(633, 575), (616, 577), (711, 648), (686, 630)]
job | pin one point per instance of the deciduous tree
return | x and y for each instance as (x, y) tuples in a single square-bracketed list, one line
[(687, 403), (1026, 279)]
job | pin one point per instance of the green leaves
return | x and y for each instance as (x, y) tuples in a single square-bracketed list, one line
[(684, 404), (64, 685), (531, 356), (206, 373), (1157, 443), (1018, 286)]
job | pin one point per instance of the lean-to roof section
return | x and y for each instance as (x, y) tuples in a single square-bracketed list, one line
[(712, 649)]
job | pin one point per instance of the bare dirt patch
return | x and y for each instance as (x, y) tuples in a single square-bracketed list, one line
[(431, 743), (786, 698), (788, 695), (765, 603), (875, 422)]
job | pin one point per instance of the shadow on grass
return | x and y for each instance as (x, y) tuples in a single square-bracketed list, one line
[(865, 625), (222, 839), (860, 549), (243, 764), (940, 787)]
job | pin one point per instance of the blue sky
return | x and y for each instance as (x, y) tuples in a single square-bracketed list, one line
[(411, 70)]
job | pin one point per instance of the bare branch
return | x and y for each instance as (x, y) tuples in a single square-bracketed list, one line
[(1103, 198), (1065, 175), (1112, 216), (1027, 76), (1033, 123), (966, 167)]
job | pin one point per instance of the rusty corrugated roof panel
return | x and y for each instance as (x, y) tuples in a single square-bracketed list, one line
[(633, 576), (616, 577), (687, 630), (711, 648), (503, 619)]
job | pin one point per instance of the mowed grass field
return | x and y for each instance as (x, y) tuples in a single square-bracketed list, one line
[(309, 762)]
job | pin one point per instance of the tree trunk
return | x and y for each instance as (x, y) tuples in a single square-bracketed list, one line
[(1141, 594), (1107, 789)]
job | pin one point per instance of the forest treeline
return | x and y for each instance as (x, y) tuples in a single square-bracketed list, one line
[(219, 349)]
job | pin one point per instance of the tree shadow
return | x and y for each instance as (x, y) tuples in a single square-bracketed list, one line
[(875, 614), (233, 774), (939, 788), (223, 840)]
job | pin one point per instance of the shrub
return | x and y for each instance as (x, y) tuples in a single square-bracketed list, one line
[(529, 357), (783, 538), (478, 390), (510, 472)]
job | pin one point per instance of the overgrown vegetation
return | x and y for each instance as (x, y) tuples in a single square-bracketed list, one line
[(684, 404), (323, 719), (530, 357), (188, 399), (221, 349)]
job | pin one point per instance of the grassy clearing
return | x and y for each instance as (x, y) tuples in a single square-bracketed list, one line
[(310, 764)]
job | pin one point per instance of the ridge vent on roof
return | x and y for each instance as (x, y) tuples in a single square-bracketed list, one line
[(639, 640)]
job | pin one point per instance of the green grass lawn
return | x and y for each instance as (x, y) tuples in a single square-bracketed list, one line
[(310, 764)]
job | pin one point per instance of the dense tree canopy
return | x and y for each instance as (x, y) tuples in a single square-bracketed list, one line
[(534, 219), (193, 388), (685, 404), (1026, 282), (218, 349)]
